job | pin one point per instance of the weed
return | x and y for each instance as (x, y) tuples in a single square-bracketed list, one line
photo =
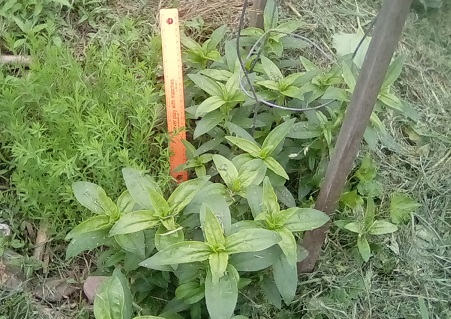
[(62, 122)]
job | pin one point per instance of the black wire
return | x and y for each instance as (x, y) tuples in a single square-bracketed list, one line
[(243, 66), (260, 49), (366, 34), (246, 72), (259, 101)]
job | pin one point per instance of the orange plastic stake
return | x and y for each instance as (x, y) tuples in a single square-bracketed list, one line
[(173, 86)]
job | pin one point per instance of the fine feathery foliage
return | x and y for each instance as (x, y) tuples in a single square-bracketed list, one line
[(62, 122)]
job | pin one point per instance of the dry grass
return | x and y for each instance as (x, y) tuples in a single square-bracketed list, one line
[(343, 288), (214, 13)]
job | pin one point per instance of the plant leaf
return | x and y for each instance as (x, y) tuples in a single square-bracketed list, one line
[(367, 170), (137, 184), (92, 224), (288, 245), (394, 71), (369, 212), (221, 297), (306, 219), (276, 136), (346, 43), (239, 131), (179, 253), (190, 44), (206, 84), (270, 15), (207, 123), (213, 232), (63, 3), (125, 203), (114, 300), (93, 197), (159, 204), (274, 166), (218, 264), (401, 206), (226, 169), (304, 130), (364, 247), (290, 26), (134, 243), (294, 92), (216, 37), (255, 261), (209, 105), (134, 222), (281, 217), (270, 202), (348, 77), (230, 54), (252, 172), (190, 292), (271, 69), (309, 66), (165, 238), (250, 147), (254, 195), (218, 75), (392, 101), (271, 292), (185, 192), (286, 279), (382, 227), (222, 211), (252, 239), (355, 227), (87, 241), (285, 196), (269, 84)]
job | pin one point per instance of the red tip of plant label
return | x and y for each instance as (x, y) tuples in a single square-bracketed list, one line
[(169, 21)]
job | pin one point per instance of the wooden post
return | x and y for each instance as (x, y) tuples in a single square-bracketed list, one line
[(256, 17), (12, 59), (387, 32)]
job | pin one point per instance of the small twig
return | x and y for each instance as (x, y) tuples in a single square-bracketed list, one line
[(21, 59), (41, 240), (295, 11)]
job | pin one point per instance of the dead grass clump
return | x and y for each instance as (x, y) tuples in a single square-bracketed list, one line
[(213, 13)]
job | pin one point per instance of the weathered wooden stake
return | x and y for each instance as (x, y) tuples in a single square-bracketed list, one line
[(19, 59), (256, 17), (387, 32)]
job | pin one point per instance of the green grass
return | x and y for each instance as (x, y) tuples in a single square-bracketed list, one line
[(85, 112)]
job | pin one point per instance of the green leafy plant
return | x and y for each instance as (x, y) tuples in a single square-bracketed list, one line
[(401, 207), (264, 152), (285, 223), (367, 226), (84, 126), (199, 55), (211, 237), (206, 264), (23, 20), (277, 35)]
